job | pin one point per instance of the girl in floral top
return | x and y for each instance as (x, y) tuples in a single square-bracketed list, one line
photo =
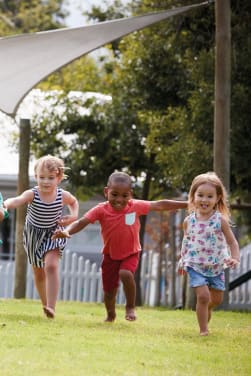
[(209, 245)]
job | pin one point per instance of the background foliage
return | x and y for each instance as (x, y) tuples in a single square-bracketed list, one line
[(159, 125)]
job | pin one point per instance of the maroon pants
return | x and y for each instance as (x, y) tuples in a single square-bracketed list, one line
[(111, 268)]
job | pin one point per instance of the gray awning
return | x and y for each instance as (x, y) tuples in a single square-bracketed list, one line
[(27, 59)]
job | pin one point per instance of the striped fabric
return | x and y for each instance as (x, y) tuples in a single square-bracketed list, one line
[(42, 214), (41, 222)]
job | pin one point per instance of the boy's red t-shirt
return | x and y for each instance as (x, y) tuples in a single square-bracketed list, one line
[(119, 229)]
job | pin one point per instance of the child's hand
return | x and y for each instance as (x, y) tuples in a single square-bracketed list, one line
[(58, 233), (181, 272), (232, 262), (66, 220), (181, 267)]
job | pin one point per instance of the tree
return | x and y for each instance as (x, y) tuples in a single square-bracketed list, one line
[(159, 126), (23, 184), (118, 139), (26, 16), (81, 75)]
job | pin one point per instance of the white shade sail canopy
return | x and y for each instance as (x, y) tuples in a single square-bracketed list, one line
[(27, 59)]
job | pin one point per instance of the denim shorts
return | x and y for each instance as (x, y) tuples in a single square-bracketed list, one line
[(198, 279)]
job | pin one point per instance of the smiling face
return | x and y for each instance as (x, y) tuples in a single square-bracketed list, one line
[(205, 199), (118, 194)]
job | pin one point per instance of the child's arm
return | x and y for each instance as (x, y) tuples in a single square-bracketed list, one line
[(76, 226), (3, 212), (181, 269), (72, 203), (161, 205), (232, 243), (15, 202)]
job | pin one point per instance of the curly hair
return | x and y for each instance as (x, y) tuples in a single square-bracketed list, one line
[(51, 163)]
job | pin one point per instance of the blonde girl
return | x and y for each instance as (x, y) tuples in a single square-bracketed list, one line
[(209, 245), (44, 214)]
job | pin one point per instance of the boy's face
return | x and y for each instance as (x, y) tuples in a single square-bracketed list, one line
[(118, 195)]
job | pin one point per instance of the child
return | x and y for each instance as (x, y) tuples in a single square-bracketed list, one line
[(44, 215), (3, 211), (207, 237), (119, 219)]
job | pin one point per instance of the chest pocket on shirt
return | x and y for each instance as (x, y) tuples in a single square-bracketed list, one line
[(130, 218)]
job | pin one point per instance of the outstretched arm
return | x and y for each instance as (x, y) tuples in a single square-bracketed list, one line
[(75, 227), (232, 243), (162, 205), (15, 202), (73, 206)]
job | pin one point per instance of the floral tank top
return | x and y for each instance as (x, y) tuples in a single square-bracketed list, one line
[(204, 246)]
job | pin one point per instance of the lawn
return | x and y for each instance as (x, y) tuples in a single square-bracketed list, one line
[(161, 342)]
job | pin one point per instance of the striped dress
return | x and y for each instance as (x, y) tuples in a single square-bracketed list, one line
[(40, 224)]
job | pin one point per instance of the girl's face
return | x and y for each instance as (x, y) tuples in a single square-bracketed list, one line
[(118, 195), (205, 198), (47, 180)]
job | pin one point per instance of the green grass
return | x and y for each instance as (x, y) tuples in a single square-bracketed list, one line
[(161, 342)]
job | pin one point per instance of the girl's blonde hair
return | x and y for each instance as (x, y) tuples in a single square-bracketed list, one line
[(214, 180), (52, 164)]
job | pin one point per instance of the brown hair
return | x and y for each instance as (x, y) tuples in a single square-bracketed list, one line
[(214, 180), (52, 164), (119, 177)]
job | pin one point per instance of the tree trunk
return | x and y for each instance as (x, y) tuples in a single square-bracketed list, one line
[(222, 99), (23, 184)]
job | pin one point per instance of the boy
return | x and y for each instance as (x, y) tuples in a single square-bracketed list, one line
[(120, 225)]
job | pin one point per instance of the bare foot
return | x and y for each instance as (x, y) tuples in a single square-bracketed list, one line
[(111, 316), (204, 333), (49, 312), (130, 314)]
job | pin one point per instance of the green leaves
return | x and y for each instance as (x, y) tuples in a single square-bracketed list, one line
[(28, 16), (161, 79)]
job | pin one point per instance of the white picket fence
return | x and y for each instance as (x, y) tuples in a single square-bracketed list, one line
[(81, 281), (240, 297)]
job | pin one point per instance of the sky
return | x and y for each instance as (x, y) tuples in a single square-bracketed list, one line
[(8, 155), (76, 9)]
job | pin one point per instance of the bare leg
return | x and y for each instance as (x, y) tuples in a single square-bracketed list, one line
[(127, 278), (39, 278), (216, 297), (51, 281), (110, 301), (203, 298)]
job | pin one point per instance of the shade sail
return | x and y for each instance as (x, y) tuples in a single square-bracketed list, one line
[(27, 59)]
